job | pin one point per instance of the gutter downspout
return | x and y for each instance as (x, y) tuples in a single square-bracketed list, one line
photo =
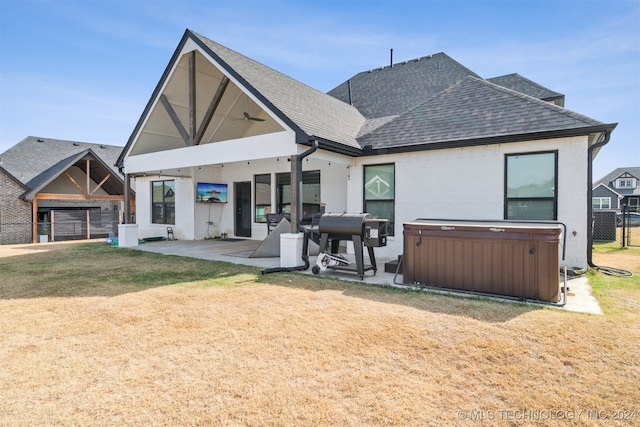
[(296, 186), (296, 208), (607, 137)]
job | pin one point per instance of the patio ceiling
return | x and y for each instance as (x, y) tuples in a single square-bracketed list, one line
[(223, 111)]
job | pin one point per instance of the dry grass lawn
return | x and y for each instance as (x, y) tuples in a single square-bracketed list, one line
[(93, 335)]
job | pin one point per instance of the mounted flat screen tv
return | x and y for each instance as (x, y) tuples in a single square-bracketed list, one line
[(207, 192)]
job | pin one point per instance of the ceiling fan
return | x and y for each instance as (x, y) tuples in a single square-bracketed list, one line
[(248, 117), (255, 119)]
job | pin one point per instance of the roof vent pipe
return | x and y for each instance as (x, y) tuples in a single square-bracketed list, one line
[(349, 89), (391, 59)]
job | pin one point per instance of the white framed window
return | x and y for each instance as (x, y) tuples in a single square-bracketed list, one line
[(601, 203), (626, 183)]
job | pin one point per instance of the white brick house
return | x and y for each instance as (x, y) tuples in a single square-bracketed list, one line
[(425, 138)]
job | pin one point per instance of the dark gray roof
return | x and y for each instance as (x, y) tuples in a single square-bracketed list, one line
[(523, 85), (609, 178), (391, 91), (474, 109), (418, 104), (34, 156)]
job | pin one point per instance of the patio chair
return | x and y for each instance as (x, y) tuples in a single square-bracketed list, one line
[(272, 221)]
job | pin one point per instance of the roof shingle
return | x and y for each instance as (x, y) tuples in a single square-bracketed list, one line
[(474, 109), (34, 155)]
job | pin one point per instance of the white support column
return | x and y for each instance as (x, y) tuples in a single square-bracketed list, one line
[(127, 235)]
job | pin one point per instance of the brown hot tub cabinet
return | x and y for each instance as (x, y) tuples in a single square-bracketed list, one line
[(519, 260)]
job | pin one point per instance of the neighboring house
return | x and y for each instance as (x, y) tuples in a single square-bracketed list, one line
[(618, 188), (426, 138), (61, 189)]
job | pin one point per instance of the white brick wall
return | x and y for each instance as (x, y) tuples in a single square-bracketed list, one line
[(192, 218), (459, 183), (468, 183)]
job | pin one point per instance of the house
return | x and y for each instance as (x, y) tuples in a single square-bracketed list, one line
[(59, 189), (425, 138), (617, 188)]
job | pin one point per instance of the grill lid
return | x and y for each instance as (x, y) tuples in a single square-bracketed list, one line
[(343, 223)]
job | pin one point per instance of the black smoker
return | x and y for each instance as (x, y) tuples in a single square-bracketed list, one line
[(361, 229)]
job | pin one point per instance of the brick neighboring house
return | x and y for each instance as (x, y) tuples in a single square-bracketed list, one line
[(616, 189), (72, 186), (13, 210)]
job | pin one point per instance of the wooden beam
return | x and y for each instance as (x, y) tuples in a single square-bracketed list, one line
[(75, 183), (53, 196), (211, 110), (100, 185), (88, 176), (192, 97), (52, 220), (176, 120)]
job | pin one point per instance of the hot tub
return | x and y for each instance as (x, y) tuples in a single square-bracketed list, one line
[(520, 260)]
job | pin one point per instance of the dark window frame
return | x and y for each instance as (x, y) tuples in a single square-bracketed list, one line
[(553, 199), (391, 201), (308, 178), (166, 209), (267, 207)]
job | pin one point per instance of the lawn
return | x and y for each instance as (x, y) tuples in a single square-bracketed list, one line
[(94, 335)]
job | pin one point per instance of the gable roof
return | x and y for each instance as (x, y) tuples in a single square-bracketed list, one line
[(523, 85), (476, 111), (113, 183), (307, 111), (429, 102), (607, 189), (314, 112), (609, 178), (35, 160)]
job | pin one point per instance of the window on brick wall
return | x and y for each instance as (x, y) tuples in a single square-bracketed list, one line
[(531, 186), (380, 193)]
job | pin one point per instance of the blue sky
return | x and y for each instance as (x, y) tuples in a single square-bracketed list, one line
[(84, 70)]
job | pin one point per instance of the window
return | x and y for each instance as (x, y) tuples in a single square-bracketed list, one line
[(310, 193), (262, 184), (625, 183), (379, 193), (163, 202), (531, 182), (601, 203)]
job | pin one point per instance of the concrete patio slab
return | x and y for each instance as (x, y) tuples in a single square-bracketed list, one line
[(238, 251)]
